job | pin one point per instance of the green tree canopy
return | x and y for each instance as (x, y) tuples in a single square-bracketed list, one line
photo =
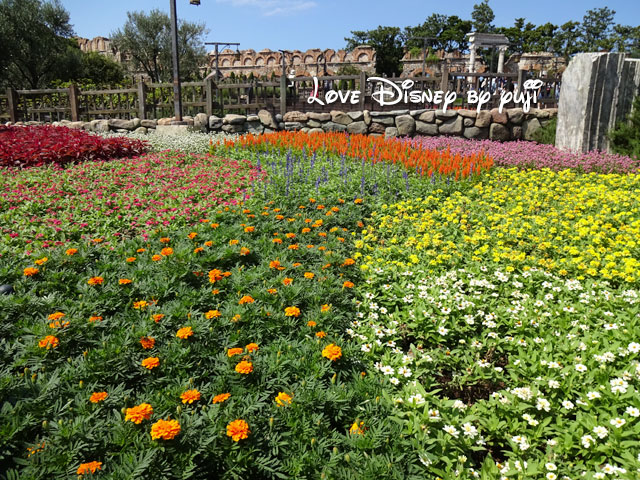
[(483, 17), (447, 33), (145, 42), (388, 43), (597, 29)]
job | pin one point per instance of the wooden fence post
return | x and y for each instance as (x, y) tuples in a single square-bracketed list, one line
[(444, 80), (283, 94), (12, 100), (363, 89), (73, 102), (520, 78), (208, 89), (142, 100)]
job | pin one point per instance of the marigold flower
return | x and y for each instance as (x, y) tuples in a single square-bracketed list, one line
[(252, 347), (190, 396), (348, 284), (56, 316), (332, 352), (309, 275), (277, 240), (215, 291), (246, 299), (95, 281), (249, 229), (198, 250), (94, 318), (131, 259), (272, 291), (184, 333), (212, 314), (97, 397), (208, 243), (297, 264), (215, 225), (92, 467), (147, 342), (124, 281), (234, 351), (140, 304), (311, 323), (238, 430), (58, 324), (279, 217), (49, 342), (215, 275), (97, 240), (41, 261), (276, 264), (357, 201), (244, 251), (30, 271), (139, 413), (71, 251), (165, 240), (306, 230), (325, 308), (141, 250), (166, 251), (221, 398), (357, 429), (287, 281), (290, 235), (236, 318), (283, 398), (348, 261), (156, 258), (292, 312), (165, 429), (234, 242), (157, 317), (192, 235), (295, 246), (150, 363), (244, 367), (321, 334)]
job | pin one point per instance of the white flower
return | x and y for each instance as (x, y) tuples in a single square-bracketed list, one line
[(619, 385), (543, 404), (387, 370), (568, 405), (394, 380), (459, 405), (442, 331), (469, 430), (593, 395), (587, 440), (634, 347), (554, 384), (581, 368), (451, 430), (434, 414), (600, 431), (404, 371), (632, 411), (366, 347), (599, 475), (551, 476), (617, 422)]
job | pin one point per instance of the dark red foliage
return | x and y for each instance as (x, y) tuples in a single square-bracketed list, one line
[(34, 146)]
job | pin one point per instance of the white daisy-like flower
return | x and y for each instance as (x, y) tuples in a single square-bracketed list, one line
[(617, 422), (601, 431), (366, 347), (581, 368), (451, 430), (416, 399), (587, 440), (633, 411), (394, 380), (387, 370), (404, 371), (434, 414), (551, 476), (568, 405), (593, 395)]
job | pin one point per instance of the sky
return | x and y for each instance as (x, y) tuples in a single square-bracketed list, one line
[(305, 24)]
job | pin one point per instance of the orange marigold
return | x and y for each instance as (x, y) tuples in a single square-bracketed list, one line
[(165, 429), (244, 367), (165, 252), (97, 397), (283, 398), (192, 235), (139, 413), (249, 229), (190, 396), (277, 240), (147, 342), (141, 250), (244, 251), (141, 304), (71, 251), (234, 242), (94, 318), (321, 334), (272, 291), (92, 467), (309, 275), (295, 246), (287, 281), (311, 323), (325, 308), (156, 258), (184, 333), (212, 314), (41, 261), (348, 284), (58, 324), (236, 318), (292, 312), (276, 264), (349, 261), (297, 264), (215, 225), (246, 299), (30, 271), (95, 281), (124, 281), (306, 230), (234, 351), (221, 397), (157, 317), (357, 429), (215, 275), (238, 430), (252, 347), (198, 250), (49, 342), (165, 240), (131, 259), (332, 352), (357, 201), (56, 316), (150, 363)]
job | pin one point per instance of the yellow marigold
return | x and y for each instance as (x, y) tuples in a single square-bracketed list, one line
[(30, 271), (349, 261), (244, 251), (95, 281), (234, 351), (357, 201), (283, 398), (221, 397), (246, 299), (131, 259), (190, 396), (292, 312), (165, 240), (306, 230), (147, 342), (156, 258), (124, 281), (192, 235), (321, 334), (150, 363), (236, 318), (249, 229), (297, 264), (215, 225), (238, 430), (332, 352), (234, 242), (58, 324), (184, 333), (165, 429), (277, 240), (41, 261), (92, 467), (287, 281), (97, 397), (272, 291), (208, 243), (71, 251), (157, 317), (212, 314), (325, 308), (276, 264), (311, 323), (140, 305), (94, 318), (309, 275), (139, 413), (252, 347), (348, 284), (295, 246), (165, 252), (244, 367), (357, 429), (290, 235), (56, 316), (49, 342)]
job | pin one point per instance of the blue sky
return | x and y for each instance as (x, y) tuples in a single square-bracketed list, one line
[(304, 24)]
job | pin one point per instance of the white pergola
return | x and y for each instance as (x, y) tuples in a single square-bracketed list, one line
[(487, 40)]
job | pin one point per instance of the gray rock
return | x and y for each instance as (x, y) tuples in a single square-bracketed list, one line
[(122, 130), (391, 132), (86, 126), (468, 122), (516, 115), (540, 113), (295, 117), (233, 119), (476, 133), (278, 118), (367, 117), (406, 125), (137, 123), (468, 113), (253, 118), (529, 127), (232, 128), (101, 126), (445, 115), (516, 133), (340, 117), (165, 121), (201, 120), (499, 132), (319, 117), (395, 113), (483, 119), (428, 117), (141, 130), (215, 122), (293, 126), (357, 128), (254, 127), (356, 116), (451, 127), (305, 130), (280, 125), (423, 128), (314, 124), (334, 127), (387, 121), (316, 130), (6, 289), (148, 123), (497, 117), (118, 123), (417, 113), (376, 127), (266, 118)]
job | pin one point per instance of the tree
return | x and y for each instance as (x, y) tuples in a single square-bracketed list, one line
[(145, 43), (34, 37), (597, 29), (482, 16), (566, 41), (447, 33), (388, 43)]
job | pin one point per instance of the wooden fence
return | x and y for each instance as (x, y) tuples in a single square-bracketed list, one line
[(155, 100)]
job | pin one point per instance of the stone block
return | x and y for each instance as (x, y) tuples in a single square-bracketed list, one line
[(516, 115), (376, 127), (417, 113), (357, 128), (148, 123), (497, 117), (314, 124), (467, 113), (446, 115), (516, 132), (233, 128), (367, 117), (391, 132), (406, 125), (100, 126), (356, 116), (451, 127), (266, 118), (386, 121), (141, 130), (293, 117), (215, 122), (340, 117), (334, 127), (428, 116), (423, 128), (316, 130), (233, 119), (529, 127), (499, 132), (255, 127), (483, 119), (468, 122), (293, 126), (201, 121), (116, 123), (320, 117), (476, 133)]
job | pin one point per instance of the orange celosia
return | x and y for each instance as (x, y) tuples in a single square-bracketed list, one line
[(184, 333), (147, 342), (332, 352), (56, 316), (95, 281), (49, 342), (139, 413), (246, 299), (283, 398), (92, 467), (238, 430), (71, 251), (221, 397), (190, 396), (244, 367), (165, 429), (41, 261), (166, 251), (30, 271), (212, 314), (150, 363), (234, 351), (97, 397), (252, 347), (292, 312)]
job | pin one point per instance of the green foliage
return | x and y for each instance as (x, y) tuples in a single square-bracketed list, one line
[(388, 44), (145, 43), (625, 138), (547, 133), (597, 27), (483, 17), (445, 32)]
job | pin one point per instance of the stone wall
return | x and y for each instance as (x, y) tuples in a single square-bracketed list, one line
[(511, 124)]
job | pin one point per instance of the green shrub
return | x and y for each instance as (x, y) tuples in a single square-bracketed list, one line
[(625, 138), (547, 134)]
